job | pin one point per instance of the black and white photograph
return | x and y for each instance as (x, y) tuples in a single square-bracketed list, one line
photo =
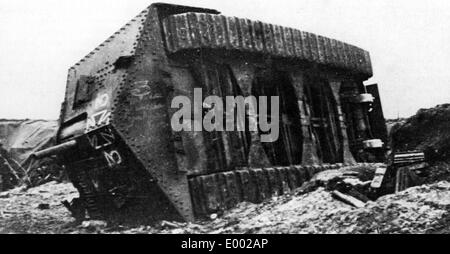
[(195, 117)]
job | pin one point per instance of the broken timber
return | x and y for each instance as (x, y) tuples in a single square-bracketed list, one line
[(405, 164), (348, 199)]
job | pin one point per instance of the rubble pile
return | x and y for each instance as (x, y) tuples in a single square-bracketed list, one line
[(358, 177), (423, 209), (427, 131)]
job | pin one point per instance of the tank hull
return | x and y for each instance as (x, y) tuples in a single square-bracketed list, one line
[(118, 109)]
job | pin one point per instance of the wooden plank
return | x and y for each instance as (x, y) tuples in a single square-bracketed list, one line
[(378, 178), (347, 199)]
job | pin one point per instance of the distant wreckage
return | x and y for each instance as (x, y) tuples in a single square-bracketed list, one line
[(119, 150)]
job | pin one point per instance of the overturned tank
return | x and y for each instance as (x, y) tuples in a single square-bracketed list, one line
[(115, 138)]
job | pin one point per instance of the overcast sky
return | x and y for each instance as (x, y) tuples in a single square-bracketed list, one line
[(409, 42)]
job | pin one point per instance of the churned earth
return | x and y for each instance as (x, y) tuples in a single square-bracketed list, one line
[(422, 209), (36, 210)]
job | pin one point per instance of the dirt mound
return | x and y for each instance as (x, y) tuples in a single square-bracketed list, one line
[(427, 130), (393, 124), (417, 210), (36, 210), (423, 209)]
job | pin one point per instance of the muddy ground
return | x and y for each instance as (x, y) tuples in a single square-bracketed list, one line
[(423, 209)]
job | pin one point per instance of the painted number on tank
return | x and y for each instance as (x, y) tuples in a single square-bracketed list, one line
[(97, 120), (101, 138), (113, 158), (101, 101)]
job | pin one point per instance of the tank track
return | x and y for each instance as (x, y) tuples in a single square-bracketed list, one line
[(215, 193), (189, 31), (88, 194), (90, 200)]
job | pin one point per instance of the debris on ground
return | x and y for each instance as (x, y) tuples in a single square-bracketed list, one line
[(44, 206), (423, 209), (334, 201), (353, 181), (19, 212), (92, 226), (427, 131)]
